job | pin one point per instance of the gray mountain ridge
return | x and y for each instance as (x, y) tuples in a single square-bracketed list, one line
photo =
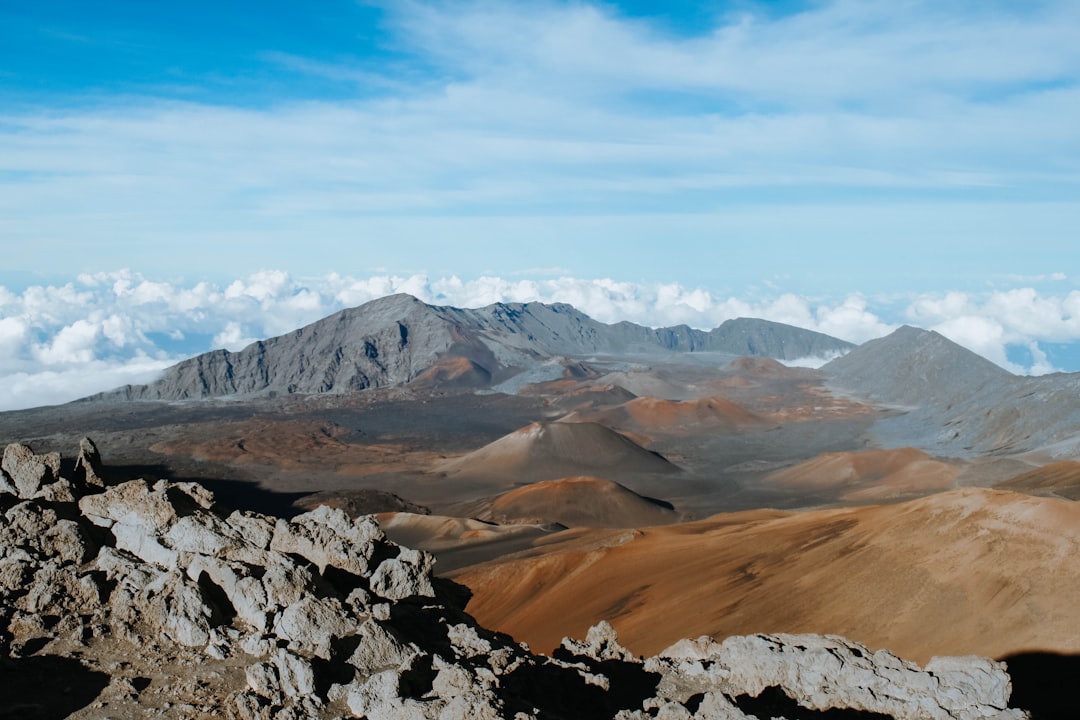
[(399, 339), (954, 402)]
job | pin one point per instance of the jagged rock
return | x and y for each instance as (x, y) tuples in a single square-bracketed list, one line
[(311, 624), (321, 616), (27, 472), (205, 534), (378, 649), (601, 643), (296, 678), (262, 678), (256, 530), (245, 593), (139, 504), (407, 575), (327, 537), (88, 468), (829, 672), (286, 583), (713, 706), (61, 491)]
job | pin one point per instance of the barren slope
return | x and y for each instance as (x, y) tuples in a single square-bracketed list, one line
[(580, 502), (547, 451), (953, 402), (869, 475), (967, 571), (1060, 479), (653, 416)]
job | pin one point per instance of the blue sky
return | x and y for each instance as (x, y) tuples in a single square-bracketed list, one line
[(848, 165)]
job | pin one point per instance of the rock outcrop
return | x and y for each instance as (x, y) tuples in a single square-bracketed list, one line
[(147, 599)]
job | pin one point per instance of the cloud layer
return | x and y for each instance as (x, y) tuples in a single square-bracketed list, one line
[(60, 342)]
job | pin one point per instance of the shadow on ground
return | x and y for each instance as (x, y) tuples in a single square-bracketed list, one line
[(231, 494), (773, 702), (40, 688), (1044, 684)]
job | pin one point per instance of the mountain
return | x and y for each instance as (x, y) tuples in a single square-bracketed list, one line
[(868, 475), (913, 366), (764, 338), (549, 451), (950, 401), (398, 339), (580, 502)]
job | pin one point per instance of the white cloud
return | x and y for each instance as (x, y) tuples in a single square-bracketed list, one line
[(72, 345), (1041, 365), (232, 337), (13, 334), (261, 286), (982, 335), (52, 387), (851, 320), (988, 324)]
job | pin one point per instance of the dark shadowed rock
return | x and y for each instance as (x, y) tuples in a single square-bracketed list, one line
[(88, 469)]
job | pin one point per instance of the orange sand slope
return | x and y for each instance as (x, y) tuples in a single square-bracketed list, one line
[(459, 542), (966, 571), (580, 502), (869, 475), (453, 371), (435, 532), (547, 451), (656, 416), (1060, 479)]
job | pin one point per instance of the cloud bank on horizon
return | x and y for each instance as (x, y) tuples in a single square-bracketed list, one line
[(840, 165), (103, 330)]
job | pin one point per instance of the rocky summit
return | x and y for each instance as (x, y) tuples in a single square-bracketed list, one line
[(147, 599)]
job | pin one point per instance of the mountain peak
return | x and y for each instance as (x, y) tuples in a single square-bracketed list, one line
[(912, 365), (773, 339)]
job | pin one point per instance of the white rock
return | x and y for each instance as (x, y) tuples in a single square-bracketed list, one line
[(407, 575), (379, 650), (327, 537), (601, 643), (245, 592), (294, 673), (311, 624)]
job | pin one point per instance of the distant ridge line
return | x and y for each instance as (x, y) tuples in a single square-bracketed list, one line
[(398, 339)]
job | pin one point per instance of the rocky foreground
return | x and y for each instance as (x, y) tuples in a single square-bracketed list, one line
[(146, 599)]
